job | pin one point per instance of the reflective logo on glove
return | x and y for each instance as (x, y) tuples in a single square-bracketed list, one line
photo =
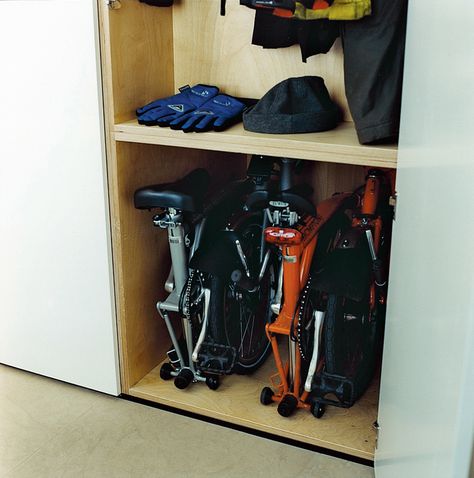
[(203, 112), (179, 108), (223, 103), (200, 93)]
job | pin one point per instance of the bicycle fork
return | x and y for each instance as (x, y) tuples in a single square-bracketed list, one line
[(297, 246)]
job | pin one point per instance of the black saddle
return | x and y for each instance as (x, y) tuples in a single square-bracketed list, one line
[(186, 194)]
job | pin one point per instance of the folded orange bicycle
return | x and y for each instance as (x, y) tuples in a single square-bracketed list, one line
[(298, 238), (333, 289)]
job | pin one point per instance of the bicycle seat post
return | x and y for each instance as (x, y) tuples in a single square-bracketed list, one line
[(177, 248), (286, 173)]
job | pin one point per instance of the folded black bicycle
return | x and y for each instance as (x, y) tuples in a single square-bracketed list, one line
[(224, 278), (191, 218)]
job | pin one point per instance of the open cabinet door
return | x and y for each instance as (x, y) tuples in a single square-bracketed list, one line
[(56, 304), (427, 391)]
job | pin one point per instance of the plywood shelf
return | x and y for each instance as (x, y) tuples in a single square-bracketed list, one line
[(336, 146), (347, 431)]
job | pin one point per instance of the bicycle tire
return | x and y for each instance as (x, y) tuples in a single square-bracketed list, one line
[(350, 340), (228, 324), (310, 299)]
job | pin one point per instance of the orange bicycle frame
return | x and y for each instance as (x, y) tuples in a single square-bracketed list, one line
[(368, 218), (297, 245)]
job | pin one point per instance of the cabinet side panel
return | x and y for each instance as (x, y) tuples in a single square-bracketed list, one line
[(217, 50), (142, 258), (141, 55)]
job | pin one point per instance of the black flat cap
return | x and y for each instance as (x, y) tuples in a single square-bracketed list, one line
[(295, 105)]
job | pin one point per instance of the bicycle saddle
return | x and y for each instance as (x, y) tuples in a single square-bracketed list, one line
[(186, 194)]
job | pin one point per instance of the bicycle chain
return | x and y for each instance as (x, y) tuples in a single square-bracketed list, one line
[(186, 304), (299, 332)]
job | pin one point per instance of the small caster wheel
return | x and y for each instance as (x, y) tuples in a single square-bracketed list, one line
[(165, 371), (213, 382), (287, 406), (266, 396), (317, 409), (184, 378)]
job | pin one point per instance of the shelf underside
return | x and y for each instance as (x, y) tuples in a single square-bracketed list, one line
[(348, 431), (336, 146)]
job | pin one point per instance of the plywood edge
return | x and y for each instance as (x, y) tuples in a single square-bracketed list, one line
[(238, 420), (337, 146), (113, 197), (236, 402)]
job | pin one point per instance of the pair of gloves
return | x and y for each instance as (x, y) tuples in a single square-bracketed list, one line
[(198, 108)]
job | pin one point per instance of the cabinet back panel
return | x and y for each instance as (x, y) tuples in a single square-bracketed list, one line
[(141, 51), (330, 178), (214, 49)]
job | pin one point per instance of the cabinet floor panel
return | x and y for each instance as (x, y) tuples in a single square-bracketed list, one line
[(336, 146), (236, 401)]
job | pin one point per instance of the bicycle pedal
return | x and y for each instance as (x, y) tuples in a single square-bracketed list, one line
[(336, 390), (216, 358)]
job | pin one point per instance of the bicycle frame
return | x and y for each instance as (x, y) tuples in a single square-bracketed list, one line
[(372, 224), (297, 245), (184, 358), (175, 283)]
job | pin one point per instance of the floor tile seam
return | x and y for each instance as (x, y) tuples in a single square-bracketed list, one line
[(24, 461)]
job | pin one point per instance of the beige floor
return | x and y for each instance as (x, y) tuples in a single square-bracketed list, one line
[(51, 429)]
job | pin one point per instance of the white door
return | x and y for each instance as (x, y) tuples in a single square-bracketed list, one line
[(427, 392), (56, 304)]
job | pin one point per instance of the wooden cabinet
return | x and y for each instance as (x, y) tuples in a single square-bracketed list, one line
[(148, 53)]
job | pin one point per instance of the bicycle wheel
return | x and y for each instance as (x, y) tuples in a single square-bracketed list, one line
[(310, 298), (237, 317), (350, 336)]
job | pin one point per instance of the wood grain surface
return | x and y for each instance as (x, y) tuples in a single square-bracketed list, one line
[(218, 50), (339, 145), (237, 401), (139, 48)]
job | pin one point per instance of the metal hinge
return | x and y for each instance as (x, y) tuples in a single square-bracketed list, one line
[(113, 4), (393, 202), (376, 427)]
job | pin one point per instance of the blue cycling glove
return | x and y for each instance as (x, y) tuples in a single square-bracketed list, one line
[(218, 113), (164, 110)]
